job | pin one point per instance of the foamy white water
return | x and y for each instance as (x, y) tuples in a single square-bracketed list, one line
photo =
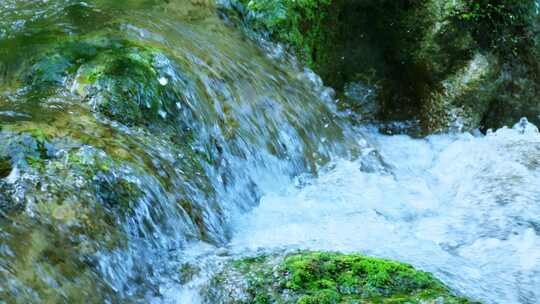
[(463, 207)]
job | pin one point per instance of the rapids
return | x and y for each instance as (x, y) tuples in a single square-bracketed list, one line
[(227, 147), (462, 206)]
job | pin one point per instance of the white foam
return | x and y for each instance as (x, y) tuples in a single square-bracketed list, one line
[(463, 207)]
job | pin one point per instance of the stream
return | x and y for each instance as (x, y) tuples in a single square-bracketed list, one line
[(140, 136)]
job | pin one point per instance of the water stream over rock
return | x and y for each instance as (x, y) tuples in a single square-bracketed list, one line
[(137, 137)]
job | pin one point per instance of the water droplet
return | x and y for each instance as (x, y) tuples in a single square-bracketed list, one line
[(163, 81), (162, 113)]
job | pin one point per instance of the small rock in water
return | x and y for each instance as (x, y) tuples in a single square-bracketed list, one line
[(347, 278)]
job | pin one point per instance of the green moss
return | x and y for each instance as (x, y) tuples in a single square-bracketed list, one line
[(311, 272), (326, 278), (300, 23), (501, 26), (120, 78)]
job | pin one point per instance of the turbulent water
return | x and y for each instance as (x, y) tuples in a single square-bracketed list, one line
[(137, 137), (461, 206)]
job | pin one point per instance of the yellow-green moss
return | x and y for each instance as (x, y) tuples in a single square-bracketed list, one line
[(328, 278)]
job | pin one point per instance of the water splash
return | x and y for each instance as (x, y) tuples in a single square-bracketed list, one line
[(462, 207)]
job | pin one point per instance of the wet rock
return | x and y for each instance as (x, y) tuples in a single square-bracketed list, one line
[(49, 225), (436, 65), (6, 203), (497, 84), (320, 277), (121, 79), (70, 202), (463, 97)]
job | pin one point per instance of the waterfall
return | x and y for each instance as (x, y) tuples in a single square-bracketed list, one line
[(139, 137)]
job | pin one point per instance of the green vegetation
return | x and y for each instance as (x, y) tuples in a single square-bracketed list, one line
[(300, 23), (502, 26), (326, 278)]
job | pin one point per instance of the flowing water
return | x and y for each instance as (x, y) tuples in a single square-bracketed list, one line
[(463, 207), (138, 136)]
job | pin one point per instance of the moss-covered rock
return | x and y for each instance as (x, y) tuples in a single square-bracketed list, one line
[(387, 46), (60, 181), (122, 79), (325, 278), (419, 59), (298, 23), (496, 83)]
